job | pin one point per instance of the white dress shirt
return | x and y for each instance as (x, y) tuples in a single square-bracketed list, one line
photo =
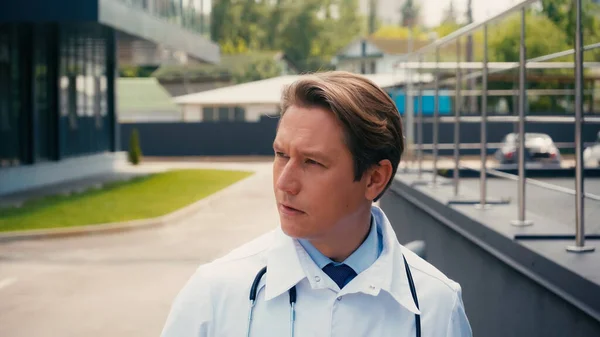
[(377, 302)]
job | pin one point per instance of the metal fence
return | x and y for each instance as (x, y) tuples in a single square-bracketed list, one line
[(414, 61)]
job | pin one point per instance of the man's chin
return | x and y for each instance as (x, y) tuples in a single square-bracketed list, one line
[(292, 228)]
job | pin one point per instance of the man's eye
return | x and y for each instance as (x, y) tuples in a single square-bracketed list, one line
[(281, 154), (312, 162)]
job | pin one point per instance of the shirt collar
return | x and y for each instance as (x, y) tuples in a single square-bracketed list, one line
[(388, 273), (361, 259)]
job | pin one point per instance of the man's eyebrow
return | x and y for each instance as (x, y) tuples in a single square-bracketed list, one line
[(315, 154)]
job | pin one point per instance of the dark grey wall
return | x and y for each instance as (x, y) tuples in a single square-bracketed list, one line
[(470, 133), (47, 11), (201, 139), (499, 301)]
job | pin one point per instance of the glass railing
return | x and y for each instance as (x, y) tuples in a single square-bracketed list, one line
[(175, 12)]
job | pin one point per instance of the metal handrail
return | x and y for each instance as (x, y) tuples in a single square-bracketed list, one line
[(512, 92), (533, 63), (472, 27), (459, 67), (476, 146), (509, 119), (534, 182)]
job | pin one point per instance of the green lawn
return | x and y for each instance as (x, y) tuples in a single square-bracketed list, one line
[(140, 198)]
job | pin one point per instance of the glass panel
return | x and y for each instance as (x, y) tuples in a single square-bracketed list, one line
[(84, 85), (185, 13), (223, 114), (41, 104), (10, 98), (208, 114), (239, 114)]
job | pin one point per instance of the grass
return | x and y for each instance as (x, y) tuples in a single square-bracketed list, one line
[(146, 197)]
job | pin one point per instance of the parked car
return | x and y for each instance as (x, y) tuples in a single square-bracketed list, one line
[(539, 148), (591, 155)]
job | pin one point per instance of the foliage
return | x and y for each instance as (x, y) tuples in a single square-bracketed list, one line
[(562, 14), (192, 72), (306, 30), (450, 16), (410, 13), (542, 37), (238, 68), (136, 71), (399, 32), (134, 153), (372, 21)]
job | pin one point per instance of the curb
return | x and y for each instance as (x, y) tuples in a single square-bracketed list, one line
[(116, 227)]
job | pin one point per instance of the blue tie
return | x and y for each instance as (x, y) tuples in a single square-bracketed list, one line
[(341, 274)]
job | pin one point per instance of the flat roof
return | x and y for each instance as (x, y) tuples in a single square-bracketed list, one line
[(268, 91), (115, 14), (544, 254)]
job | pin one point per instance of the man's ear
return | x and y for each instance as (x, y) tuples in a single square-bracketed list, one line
[(377, 179)]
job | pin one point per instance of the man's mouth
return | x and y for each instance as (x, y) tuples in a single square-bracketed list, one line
[(289, 210)]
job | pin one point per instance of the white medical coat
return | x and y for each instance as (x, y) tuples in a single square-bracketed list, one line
[(377, 302)]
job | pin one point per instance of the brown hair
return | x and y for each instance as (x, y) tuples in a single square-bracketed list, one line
[(369, 118)]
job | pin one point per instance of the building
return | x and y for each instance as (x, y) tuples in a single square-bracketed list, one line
[(185, 79), (372, 55), (252, 101), (58, 63)]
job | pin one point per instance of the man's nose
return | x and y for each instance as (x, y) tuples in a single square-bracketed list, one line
[(288, 181)]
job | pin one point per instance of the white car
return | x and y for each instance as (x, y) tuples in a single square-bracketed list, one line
[(540, 150), (591, 155)]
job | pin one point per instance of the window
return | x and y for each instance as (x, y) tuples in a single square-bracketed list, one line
[(83, 99), (11, 146), (223, 114), (239, 114), (208, 114)]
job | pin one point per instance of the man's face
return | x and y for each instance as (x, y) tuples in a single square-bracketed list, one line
[(313, 175)]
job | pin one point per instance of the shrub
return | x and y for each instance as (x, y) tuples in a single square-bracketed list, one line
[(135, 151)]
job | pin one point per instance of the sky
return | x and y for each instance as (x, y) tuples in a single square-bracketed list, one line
[(431, 10)]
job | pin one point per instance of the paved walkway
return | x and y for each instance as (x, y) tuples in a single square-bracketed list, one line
[(123, 284)]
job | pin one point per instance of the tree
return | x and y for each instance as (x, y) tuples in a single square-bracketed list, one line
[(562, 13), (410, 14), (219, 19), (372, 16), (542, 37), (301, 31), (275, 24), (450, 16)]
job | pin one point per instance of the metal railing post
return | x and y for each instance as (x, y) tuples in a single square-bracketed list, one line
[(420, 123), (521, 221), (457, 106), (579, 164), (436, 117), (483, 133)]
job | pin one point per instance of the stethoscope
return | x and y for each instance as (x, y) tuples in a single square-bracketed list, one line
[(292, 297)]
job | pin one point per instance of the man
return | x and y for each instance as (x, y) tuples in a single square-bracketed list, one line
[(334, 267)]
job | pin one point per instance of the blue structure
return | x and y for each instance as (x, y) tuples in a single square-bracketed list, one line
[(445, 102), (58, 63)]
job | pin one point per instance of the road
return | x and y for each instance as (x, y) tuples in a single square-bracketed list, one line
[(123, 284)]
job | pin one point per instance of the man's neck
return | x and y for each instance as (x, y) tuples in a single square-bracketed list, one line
[(341, 244)]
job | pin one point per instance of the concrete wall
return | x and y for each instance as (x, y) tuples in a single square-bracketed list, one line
[(20, 178), (238, 138), (500, 301), (203, 139)]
